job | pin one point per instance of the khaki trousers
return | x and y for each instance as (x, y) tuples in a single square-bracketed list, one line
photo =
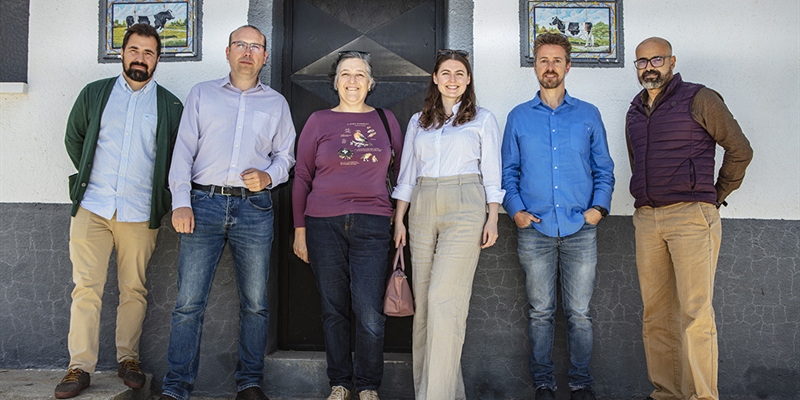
[(91, 239), (446, 220), (676, 255)]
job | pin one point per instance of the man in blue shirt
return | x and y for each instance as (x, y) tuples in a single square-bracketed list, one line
[(558, 177), (119, 136)]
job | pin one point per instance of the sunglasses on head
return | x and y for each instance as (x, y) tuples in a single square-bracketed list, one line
[(343, 53), (447, 52)]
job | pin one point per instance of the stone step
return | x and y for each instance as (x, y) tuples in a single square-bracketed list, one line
[(40, 384)]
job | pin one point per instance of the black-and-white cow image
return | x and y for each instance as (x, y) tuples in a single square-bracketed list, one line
[(582, 30), (159, 20)]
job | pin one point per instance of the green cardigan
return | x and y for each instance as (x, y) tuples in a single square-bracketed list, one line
[(83, 129)]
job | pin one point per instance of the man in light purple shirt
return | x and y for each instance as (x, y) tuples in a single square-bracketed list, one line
[(235, 143)]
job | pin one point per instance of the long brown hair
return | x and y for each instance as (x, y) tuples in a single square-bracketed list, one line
[(433, 112)]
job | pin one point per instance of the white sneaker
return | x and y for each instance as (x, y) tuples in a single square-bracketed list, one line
[(339, 393), (368, 395)]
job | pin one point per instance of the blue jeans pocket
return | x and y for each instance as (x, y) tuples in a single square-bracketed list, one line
[(198, 195), (261, 201)]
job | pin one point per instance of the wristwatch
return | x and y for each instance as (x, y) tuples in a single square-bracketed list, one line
[(603, 211)]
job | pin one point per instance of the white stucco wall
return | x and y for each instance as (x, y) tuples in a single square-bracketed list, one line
[(749, 51), (739, 55), (62, 59)]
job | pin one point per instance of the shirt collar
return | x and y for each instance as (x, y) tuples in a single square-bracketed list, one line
[(124, 85), (567, 99), (226, 81)]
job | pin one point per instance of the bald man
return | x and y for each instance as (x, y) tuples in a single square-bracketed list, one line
[(672, 130)]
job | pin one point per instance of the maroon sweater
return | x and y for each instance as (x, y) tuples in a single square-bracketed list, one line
[(342, 160)]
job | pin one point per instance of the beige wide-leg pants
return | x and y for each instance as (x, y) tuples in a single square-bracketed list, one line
[(91, 239), (446, 220), (677, 247)]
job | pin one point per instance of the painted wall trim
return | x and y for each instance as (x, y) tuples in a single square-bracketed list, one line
[(13, 87)]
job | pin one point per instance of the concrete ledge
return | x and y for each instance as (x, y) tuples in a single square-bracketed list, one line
[(13, 87), (40, 384), (302, 374)]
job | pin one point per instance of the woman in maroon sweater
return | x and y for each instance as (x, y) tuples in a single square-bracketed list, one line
[(342, 223)]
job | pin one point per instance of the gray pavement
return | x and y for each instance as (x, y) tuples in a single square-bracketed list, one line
[(32, 384)]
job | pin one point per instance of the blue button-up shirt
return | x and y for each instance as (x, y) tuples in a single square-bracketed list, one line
[(122, 175), (556, 163), (224, 132)]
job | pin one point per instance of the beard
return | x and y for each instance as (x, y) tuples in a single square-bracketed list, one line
[(549, 82), (139, 75), (652, 79)]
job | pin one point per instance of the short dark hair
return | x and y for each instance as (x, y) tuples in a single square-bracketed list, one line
[(552, 38), (142, 30), (230, 37)]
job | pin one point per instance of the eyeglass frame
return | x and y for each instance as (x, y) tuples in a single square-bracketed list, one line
[(650, 61), (260, 48), (447, 52)]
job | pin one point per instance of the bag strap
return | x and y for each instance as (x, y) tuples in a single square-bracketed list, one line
[(389, 177), (382, 114), (398, 256)]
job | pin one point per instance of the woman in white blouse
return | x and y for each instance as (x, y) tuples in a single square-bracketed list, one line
[(450, 170)]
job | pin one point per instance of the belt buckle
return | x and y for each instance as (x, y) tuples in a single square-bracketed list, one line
[(222, 190)]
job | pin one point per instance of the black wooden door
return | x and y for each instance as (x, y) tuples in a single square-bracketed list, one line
[(402, 37)]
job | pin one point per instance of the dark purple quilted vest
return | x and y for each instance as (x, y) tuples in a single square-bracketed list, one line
[(673, 155)]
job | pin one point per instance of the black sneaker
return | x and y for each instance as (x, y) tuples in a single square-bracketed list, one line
[(73, 382), (251, 393), (130, 373), (545, 393), (584, 393)]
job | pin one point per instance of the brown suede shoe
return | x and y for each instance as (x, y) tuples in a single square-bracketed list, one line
[(252, 393), (130, 373), (73, 382)]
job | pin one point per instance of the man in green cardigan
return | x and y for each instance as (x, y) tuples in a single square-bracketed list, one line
[(120, 136)]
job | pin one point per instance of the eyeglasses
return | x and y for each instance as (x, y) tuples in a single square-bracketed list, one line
[(656, 62), (255, 48), (447, 52), (343, 53)]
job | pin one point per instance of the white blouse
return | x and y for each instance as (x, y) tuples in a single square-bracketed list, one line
[(471, 148)]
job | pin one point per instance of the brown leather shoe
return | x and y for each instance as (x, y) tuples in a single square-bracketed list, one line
[(252, 393), (130, 373), (73, 382)]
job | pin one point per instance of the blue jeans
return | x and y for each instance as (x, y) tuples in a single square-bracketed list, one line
[(246, 224), (349, 255), (573, 258)]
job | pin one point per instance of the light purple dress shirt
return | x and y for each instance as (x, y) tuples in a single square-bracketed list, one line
[(122, 176), (224, 132)]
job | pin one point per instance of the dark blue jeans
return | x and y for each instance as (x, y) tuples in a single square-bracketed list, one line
[(349, 256), (574, 258), (245, 223)]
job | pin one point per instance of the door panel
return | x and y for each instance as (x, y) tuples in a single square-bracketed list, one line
[(402, 38)]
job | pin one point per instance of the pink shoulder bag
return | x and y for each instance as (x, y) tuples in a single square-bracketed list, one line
[(398, 301)]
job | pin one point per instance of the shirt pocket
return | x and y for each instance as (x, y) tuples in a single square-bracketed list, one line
[(580, 138), (263, 126), (148, 129)]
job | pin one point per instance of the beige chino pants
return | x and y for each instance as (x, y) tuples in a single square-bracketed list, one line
[(91, 239), (677, 247), (446, 220)]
